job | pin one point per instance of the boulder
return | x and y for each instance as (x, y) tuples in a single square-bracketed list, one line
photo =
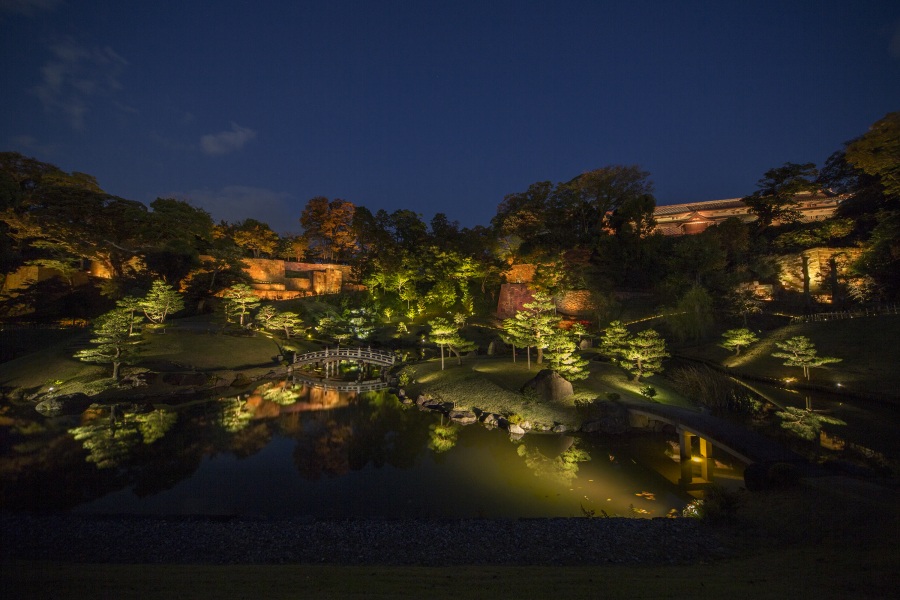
[(69, 404), (139, 379), (559, 428), (490, 419), (550, 386), (463, 417), (515, 429)]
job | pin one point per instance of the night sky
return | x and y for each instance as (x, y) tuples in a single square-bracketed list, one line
[(249, 109)]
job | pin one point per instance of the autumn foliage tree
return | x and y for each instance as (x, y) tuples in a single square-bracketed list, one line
[(328, 226)]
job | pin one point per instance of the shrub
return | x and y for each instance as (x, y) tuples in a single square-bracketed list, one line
[(648, 391), (783, 475), (721, 503), (714, 390), (406, 375)]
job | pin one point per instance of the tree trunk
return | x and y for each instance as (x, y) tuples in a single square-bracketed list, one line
[(442, 356)]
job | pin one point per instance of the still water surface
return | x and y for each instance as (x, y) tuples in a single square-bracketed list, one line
[(328, 454)]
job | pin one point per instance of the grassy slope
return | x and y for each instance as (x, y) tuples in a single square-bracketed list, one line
[(189, 344), (868, 347), (493, 384)]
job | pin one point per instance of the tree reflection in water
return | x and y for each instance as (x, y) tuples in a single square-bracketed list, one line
[(111, 441), (563, 468)]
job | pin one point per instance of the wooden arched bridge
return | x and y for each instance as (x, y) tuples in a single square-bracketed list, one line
[(329, 361), (382, 358)]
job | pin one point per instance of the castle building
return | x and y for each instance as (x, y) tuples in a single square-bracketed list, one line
[(686, 219)]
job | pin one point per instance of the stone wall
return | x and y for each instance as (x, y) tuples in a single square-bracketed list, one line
[(576, 303), (26, 275), (512, 297), (289, 279), (791, 268)]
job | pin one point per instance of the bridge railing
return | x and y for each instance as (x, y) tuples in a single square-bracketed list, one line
[(377, 356)]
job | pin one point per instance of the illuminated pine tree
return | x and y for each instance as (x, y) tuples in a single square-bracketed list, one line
[(562, 355), (115, 341), (644, 354), (735, 339), (533, 325), (160, 302), (799, 351), (445, 334), (288, 322), (240, 300), (614, 342)]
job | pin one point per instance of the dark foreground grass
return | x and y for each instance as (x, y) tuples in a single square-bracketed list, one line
[(827, 538), (787, 573)]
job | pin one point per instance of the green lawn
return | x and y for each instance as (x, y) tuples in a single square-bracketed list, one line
[(196, 343), (868, 347)]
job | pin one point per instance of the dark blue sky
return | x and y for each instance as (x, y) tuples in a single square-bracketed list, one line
[(249, 109)]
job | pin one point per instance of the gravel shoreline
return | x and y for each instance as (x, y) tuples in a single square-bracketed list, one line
[(423, 542)]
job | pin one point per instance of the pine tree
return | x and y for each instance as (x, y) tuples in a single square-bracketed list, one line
[(533, 325), (614, 342), (563, 357), (516, 336), (289, 322), (445, 334), (799, 351), (240, 300), (735, 339), (644, 354), (265, 315), (160, 302), (115, 341)]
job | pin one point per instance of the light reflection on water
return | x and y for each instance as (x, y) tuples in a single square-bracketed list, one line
[(330, 455)]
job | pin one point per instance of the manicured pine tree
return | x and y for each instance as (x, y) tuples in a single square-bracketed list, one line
[(287, 321), (240, 300), (516, 336), (799, 351), (115, 341), (614, 342), (445, 334), (563, 357), (644, 354), (735, 339), (265, 315), (533, 325), (160, 302)]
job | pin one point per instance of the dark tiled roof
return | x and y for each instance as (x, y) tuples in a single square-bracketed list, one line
[(674, 209)]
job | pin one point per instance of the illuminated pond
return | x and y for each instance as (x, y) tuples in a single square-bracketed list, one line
[(327, 454)]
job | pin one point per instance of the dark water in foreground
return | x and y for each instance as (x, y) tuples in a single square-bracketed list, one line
[(326, 454)]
